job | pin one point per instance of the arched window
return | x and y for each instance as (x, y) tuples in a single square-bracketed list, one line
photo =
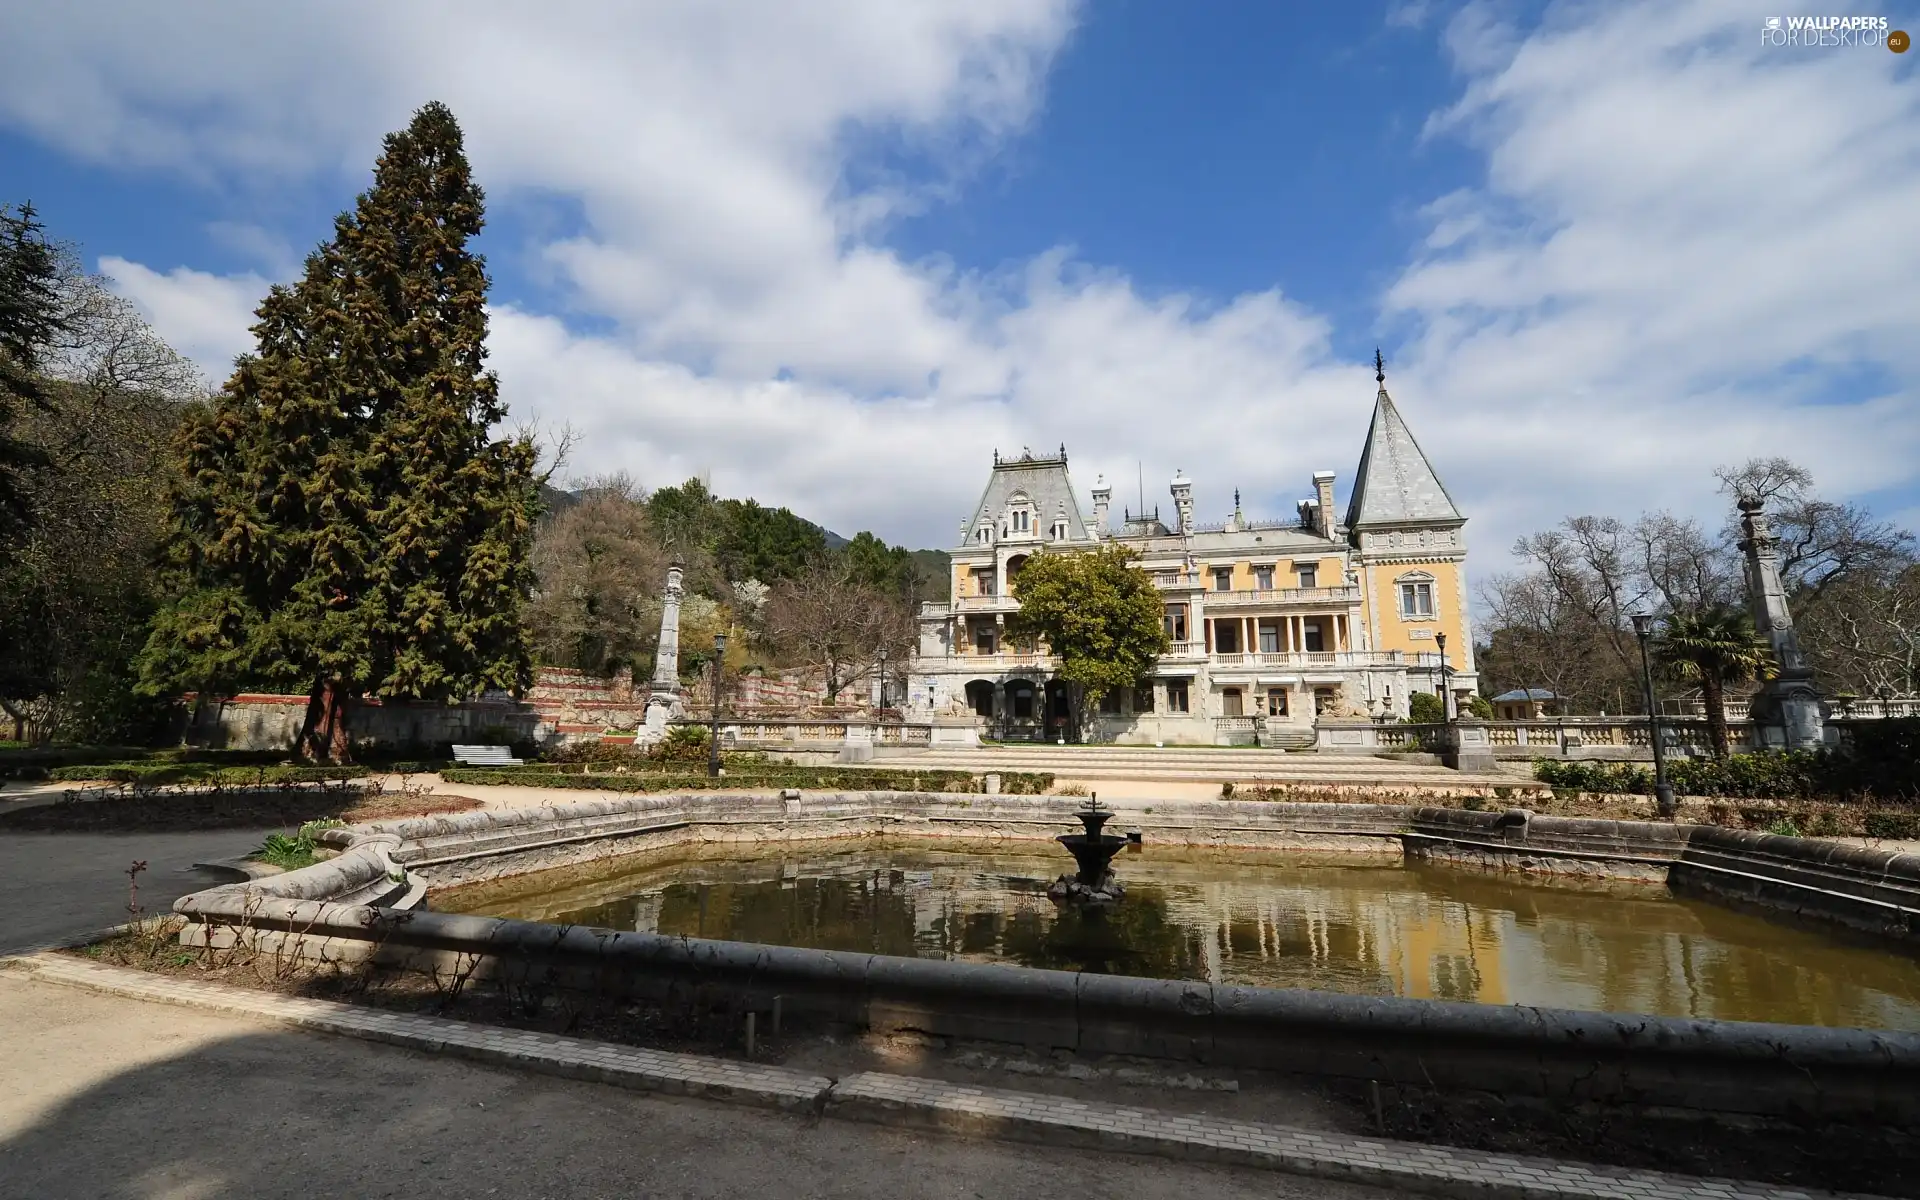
[(1019, 514)]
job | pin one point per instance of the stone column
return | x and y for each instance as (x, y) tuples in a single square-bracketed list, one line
[(1787, 704), (663, 695)]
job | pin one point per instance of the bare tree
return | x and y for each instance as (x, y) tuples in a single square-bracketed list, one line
[(1864, 634), (1821, 541), (600, 568), (828, 619), (75, 597)]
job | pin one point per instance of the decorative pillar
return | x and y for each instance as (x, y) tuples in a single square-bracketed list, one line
[(663, 695), (1787, 705)]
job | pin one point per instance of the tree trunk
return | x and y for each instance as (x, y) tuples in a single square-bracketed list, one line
[(1714, 701), (323, 735)]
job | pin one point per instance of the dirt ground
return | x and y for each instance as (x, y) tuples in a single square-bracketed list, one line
[(102, 1097)]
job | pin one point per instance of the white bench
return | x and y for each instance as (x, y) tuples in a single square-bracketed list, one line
[(485, 756)]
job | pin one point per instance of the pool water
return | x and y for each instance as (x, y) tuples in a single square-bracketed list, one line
[(1369, 927)]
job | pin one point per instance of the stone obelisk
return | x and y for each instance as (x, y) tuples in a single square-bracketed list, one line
[(1786, 710), (663, 695)]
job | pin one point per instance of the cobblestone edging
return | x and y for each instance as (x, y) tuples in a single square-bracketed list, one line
[(932, 1104)]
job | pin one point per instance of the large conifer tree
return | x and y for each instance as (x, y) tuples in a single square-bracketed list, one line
[(346, 522)]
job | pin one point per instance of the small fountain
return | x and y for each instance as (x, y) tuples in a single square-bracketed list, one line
[(1093, 850)]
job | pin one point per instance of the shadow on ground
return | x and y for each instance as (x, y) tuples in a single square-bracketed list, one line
[(111, 1098)]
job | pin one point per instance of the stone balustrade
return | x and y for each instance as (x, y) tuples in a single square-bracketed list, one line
[(777, 734), (1551, 737)]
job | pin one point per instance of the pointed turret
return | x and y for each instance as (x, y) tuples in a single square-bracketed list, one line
[(1395, 484)]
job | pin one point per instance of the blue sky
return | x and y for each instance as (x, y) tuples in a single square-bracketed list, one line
[(835, 255)]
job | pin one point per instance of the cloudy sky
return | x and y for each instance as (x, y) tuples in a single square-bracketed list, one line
[(834, 254)]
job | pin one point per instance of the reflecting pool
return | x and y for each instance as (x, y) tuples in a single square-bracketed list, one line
[(1373, 927)]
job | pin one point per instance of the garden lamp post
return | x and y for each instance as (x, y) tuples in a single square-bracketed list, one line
[(883, 680), (713, 741), (1446, 692), (1662, 791)]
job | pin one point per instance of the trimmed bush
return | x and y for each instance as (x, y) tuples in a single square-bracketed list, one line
[(857, 779), (1425, 708), (1873, 771), (143, 776)]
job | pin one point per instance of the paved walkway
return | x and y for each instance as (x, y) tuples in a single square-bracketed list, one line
[(58, 886), (88, 1099), (106, 1097)]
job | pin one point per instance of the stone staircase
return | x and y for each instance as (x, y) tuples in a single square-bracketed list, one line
[(1287, 737), (1193, 764)]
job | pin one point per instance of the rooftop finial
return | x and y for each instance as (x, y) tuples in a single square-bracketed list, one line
[(1236, 500), (1379, 367)]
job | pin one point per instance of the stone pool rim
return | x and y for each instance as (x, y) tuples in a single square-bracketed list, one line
[(364, 904)]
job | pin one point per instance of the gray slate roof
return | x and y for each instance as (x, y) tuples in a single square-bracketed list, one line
[(1045, 482), (1395, 483), (1527, 694)]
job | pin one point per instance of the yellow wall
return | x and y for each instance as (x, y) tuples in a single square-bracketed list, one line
[(1448, 619)]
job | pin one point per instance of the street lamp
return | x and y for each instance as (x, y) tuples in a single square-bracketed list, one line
[(883, 679), (1662, 791), (1446, 693), (713, 741)]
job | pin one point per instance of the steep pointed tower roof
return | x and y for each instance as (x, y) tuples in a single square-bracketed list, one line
[(1395, 484)]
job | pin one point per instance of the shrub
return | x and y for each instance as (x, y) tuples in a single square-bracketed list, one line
[(859, 779), (145, 776), (1425, 708), (1894, 826), (1766, 775), (683, 744), (1480, 707), (593, 752), (299, 850)]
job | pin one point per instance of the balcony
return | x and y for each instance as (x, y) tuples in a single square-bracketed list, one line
[(1311, 659), (985, 604), (1176, 581), (1285, 596)]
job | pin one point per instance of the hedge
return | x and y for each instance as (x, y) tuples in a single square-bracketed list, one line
[(152, 775), (836, 778), (1881, 764)]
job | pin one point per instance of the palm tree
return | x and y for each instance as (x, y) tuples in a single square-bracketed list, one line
[(1713, 647)]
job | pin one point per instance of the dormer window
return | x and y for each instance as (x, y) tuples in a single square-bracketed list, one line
[(1020, 520), (1059, 531)]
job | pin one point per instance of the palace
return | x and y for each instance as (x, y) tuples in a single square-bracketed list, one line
[(1272, 623)]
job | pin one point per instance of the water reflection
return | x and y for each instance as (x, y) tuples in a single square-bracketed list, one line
[(1269, 920)]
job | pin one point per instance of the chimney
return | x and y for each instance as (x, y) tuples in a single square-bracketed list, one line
[(1102, 500), (1182, 489), (1323, 507)]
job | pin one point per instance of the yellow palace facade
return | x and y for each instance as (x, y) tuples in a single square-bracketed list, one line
[(1273, 623)]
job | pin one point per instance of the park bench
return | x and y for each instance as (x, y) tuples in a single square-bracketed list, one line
[(485, 756)]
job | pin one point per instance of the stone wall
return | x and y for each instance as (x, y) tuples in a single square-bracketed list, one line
[(1561, 1057), (258, 721)]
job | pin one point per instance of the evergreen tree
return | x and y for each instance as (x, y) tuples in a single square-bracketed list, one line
[(30, 319), (346, 521)]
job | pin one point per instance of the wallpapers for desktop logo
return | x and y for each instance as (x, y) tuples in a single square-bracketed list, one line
[(1833, 31)]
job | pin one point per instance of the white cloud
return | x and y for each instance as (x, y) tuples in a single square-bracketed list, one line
[(203, 316), (1670, 220), (1684, 254)]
